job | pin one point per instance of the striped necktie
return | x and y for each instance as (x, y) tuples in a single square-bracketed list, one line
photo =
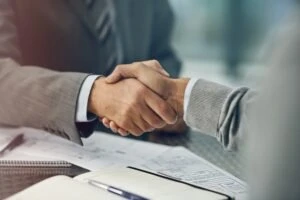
[(102, 12)]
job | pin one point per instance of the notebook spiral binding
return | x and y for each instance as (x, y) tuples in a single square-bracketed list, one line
[(34, 172), (26, 163)]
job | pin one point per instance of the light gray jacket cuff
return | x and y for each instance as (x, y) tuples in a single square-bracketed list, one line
[(205, 105), (219, 111)]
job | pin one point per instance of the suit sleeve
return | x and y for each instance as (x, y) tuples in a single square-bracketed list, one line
[(161, 48), (220, 111), (33, 96)]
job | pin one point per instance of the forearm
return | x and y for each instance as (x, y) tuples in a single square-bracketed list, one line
[(39, 98), (219, 111)]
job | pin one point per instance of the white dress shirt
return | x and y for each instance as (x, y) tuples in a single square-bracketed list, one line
[(83, 99), (187, 94)]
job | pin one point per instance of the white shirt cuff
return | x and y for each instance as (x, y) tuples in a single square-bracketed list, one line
[(187, 94), (83, 98)]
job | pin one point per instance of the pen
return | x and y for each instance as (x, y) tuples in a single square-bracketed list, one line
[(16, 141), (117, 191)]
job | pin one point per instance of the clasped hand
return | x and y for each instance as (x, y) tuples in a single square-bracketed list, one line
[(137, 98)]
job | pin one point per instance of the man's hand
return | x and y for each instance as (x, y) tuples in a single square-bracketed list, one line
[(131, 105), (151, 74)]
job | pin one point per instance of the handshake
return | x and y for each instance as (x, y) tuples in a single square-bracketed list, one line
[(137, 98)]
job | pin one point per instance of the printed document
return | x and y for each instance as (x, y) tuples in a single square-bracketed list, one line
[(181, 164)]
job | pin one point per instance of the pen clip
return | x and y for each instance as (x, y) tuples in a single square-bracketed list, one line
[(117, 191)]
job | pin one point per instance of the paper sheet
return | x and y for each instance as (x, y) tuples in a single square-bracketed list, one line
[(122, 149), (100, 150), (179, 163)]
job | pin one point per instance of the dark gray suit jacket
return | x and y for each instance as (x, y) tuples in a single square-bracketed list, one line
[(59, 35)]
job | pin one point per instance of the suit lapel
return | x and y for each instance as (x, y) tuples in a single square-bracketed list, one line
[(78, 7)]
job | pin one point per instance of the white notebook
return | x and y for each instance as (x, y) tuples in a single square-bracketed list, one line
[(140, 183)]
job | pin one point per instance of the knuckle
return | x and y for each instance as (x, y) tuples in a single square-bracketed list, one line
[(125, 112), (155, 63), (122, 133), (136, 65), (119, 68), (139, 133), (161, 125), (146, 127), (123, 123), (133, 102), (156, 122), (135, 133), (141, 90), (164, 108)]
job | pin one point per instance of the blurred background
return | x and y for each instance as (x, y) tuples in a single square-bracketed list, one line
[(224, 40)]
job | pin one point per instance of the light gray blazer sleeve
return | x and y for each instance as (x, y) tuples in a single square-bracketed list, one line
[(32, 96), (220, 111)]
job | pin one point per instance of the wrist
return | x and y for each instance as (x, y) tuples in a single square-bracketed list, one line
[(93, 103), (178, 87)]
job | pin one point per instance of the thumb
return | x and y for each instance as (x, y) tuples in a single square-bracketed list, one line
[(155, 65), (113, 77), (121, 72)]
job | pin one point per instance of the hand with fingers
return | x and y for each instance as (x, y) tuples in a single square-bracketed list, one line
[(153, 76), (130, 105)]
